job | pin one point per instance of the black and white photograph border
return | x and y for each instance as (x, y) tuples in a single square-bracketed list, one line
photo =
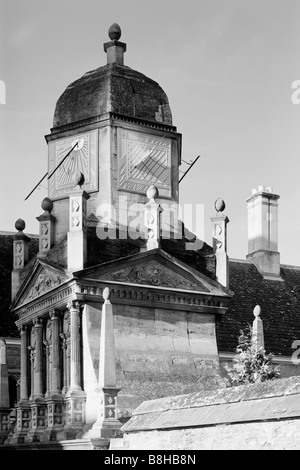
[(149, 262)]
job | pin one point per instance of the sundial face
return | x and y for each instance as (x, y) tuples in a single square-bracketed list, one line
[(144, 159), (84, 158)]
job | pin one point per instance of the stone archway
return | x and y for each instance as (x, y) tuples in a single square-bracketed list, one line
[(13, 387)]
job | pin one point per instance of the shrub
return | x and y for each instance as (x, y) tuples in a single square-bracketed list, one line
[(250, 364)]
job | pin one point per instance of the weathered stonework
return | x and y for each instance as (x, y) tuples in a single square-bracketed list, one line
[(257, 416)]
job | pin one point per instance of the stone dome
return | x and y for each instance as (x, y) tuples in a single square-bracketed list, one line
[(113, 88)]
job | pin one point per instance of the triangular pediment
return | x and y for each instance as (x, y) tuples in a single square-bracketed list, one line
[(154, 268), (42, 278)]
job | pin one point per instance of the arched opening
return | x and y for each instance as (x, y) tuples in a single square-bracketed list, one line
[(13, 390)]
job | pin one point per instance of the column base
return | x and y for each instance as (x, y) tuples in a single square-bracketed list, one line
[(38, 420), (74, 415), (22, 426), (4, 424), (106, 429), (107, 425), (55, 418)]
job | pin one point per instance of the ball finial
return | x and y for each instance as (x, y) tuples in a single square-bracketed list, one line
[(106, 293), (47, 204), (78, 178), (20, 225), (114, 32), (152, 192), (220, 205), (257, 311)]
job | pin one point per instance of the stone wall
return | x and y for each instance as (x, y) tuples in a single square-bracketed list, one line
[(159, 352), (256, 416)]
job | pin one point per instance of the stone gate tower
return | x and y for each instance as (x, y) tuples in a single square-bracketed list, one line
[(113, 156)]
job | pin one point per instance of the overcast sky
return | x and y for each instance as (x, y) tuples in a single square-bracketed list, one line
[(227, 67)]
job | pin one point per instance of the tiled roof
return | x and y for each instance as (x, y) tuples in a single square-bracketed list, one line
[(279, 301)]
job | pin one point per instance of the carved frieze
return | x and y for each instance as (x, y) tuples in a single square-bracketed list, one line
[(154, 274), (45, 282), (42, 282)]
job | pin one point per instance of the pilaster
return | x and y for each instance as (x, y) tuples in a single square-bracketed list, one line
[(46, 232), (219, 238), (20, 256), (77, 237), (24, 364), (152, 211)]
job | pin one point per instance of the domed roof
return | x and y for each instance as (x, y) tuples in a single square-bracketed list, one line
[(113, 88)]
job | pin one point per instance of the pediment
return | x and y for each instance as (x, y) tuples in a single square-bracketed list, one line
[(41, 279), (155, 269)]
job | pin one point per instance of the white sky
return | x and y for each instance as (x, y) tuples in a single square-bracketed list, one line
[(227, 67)]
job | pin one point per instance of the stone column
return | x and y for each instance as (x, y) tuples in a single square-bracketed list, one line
[(75, 366), (219, 235), (37, 404), (64, 360), (38, 370), (55, 387), (107, 423), (48, 366), (54, 399), (75, 397), (24, 364), (31, 350), (23, 411)]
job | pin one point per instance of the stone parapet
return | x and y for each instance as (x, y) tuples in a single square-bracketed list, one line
[(263, 415)]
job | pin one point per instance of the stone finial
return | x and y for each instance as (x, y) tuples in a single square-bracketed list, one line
[(106, 294), (47, 204), (257, 311), (257, 329), (114, 48), (46, 232), (20, 225), (114, 32), (152, 193), (78, 178), (220, 205)]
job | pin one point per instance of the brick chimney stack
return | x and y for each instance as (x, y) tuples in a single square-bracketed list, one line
[(263, 232)]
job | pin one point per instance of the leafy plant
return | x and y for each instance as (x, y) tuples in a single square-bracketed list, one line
[(250, 364)]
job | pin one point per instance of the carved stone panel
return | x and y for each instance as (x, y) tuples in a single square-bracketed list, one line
[(154, 274)]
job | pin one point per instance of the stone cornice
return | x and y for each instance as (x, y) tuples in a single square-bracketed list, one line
[(108, 118), (86, 290)]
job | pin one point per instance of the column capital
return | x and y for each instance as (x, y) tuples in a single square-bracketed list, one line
[(54, 314), (23, 329), (37, 322), (74, 305)]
